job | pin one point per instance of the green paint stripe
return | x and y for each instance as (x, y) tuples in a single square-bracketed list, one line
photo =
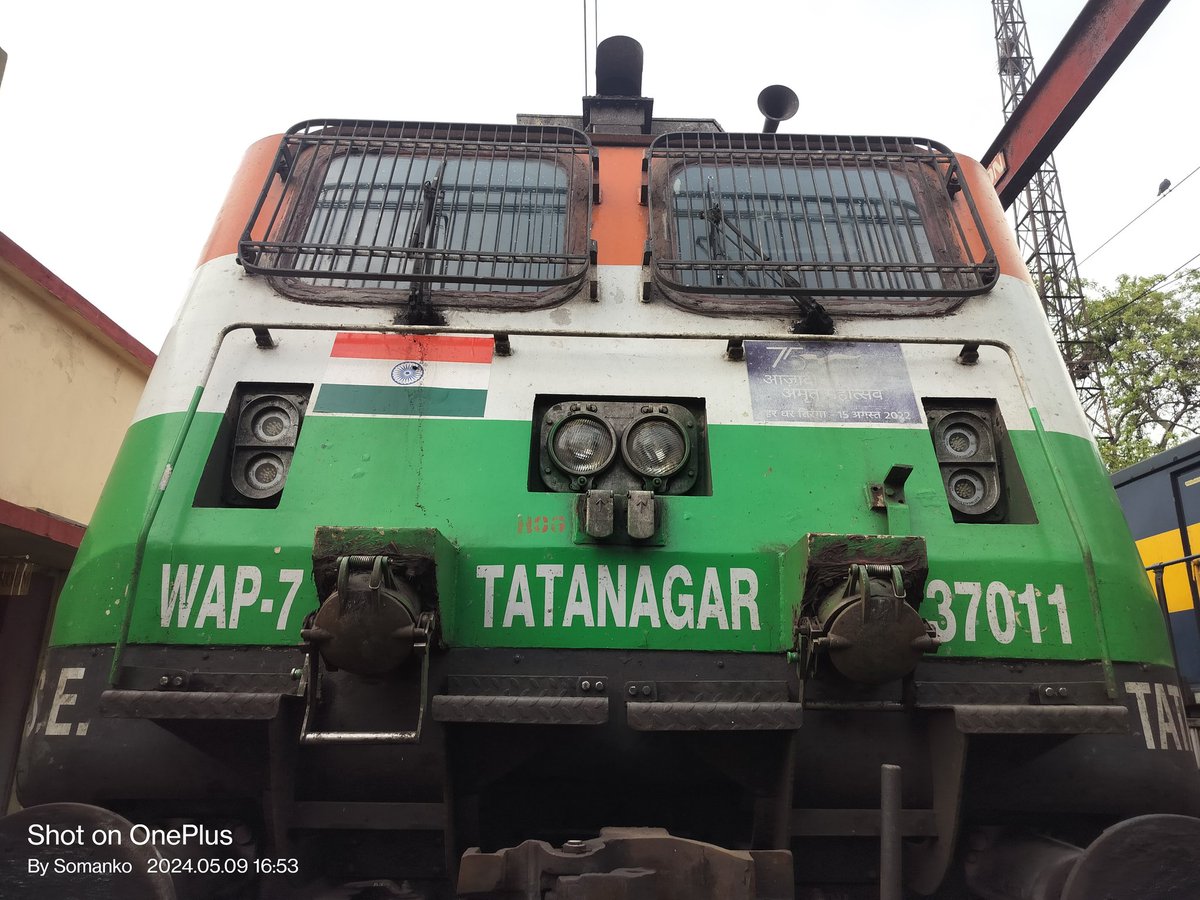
[(380, 400)]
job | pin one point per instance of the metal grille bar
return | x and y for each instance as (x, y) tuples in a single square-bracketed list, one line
[(380, 206), (813, 215)]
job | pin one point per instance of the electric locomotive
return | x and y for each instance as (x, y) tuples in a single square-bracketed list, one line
[(610, 505)]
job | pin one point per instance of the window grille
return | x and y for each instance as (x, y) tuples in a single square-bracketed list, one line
[(359, 210), (766, 215)]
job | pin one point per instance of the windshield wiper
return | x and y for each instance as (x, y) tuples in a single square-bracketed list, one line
[(424, 237), (815, 319)]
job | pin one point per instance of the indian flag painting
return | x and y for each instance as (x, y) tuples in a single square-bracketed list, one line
[(406, 375)]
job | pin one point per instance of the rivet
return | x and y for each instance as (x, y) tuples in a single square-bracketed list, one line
[(600, 686), (574, 847), (591, 407), (586, 685), (1062, 692), (164, 680), (1049, 692), (574, 407), (645, 690), (646, 409), (633, 690), (516, 657), (177, 680)]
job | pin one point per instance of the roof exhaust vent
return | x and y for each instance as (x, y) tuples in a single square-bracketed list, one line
[(618, 107), (619, 67)]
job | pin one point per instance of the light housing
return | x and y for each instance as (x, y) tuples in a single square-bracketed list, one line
[(979, 468), (252, 453), (619, 445)]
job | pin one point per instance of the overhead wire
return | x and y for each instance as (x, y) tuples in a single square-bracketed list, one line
[(1128, 303), (1157, 200), (595, 38)]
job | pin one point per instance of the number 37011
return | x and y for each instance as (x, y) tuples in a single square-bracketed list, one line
[(968, 609)]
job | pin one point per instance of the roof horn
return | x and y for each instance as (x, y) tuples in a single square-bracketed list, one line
[(778, 104)]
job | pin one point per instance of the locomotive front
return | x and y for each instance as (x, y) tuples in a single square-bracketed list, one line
[(615, 503)]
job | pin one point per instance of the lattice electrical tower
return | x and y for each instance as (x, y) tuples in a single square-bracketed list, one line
[(1042, 232)]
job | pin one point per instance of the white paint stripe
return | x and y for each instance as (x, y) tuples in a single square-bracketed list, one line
[(223, 293), (342, 370)]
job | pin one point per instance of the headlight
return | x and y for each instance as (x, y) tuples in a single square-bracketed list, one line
[(618, 445), (582, 444), (655, 447)]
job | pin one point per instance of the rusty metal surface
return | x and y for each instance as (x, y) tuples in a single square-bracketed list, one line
[(940, 694), (941, 209), (520, 710), (1091, 51), (629, 864), (827, 558), (692, 716), (188, 705), (1012, 719)]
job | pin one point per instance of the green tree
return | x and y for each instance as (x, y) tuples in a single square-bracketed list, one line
[(1149, 333)]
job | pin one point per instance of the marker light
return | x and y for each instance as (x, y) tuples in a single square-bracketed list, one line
[(968, 488), (265, 472), (271, 421), (655, 447), (960, 439), (964, 435), (582, 444)]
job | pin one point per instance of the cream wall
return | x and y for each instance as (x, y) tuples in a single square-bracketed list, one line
[(67, 394)]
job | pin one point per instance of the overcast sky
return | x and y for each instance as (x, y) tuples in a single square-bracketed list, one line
[(121, 123)]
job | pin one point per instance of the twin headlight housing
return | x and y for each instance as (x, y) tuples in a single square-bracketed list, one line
[(620, 445)]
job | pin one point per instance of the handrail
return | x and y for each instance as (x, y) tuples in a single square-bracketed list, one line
[(1160, 591)]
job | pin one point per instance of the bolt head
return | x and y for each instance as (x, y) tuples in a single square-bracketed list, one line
[(164, 680), (1062, 692), (586, 685), (600, 686), (645, 690), (1049, 692), (633, 690)]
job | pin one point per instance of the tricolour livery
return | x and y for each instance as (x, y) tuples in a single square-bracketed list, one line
[(608, 505)]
